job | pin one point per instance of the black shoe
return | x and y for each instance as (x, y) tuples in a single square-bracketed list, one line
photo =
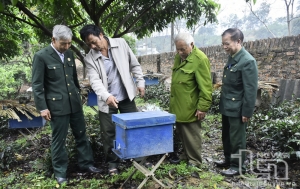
[(113, 171), (174, 160), (191, 165), (230, 172), (222, 163), (195, 174), (61, 180), (93, 169)]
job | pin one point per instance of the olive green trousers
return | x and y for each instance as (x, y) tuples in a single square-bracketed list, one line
[(234, 140), (190, 136), (60, 126)]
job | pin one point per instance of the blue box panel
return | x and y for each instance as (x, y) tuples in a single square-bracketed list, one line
[(150, 80), (147, 133), (143, 119), (92, 99), (26, 123)]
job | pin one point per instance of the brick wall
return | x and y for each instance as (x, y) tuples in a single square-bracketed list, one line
[(277, 58)]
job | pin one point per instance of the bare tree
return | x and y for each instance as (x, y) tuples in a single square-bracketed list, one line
[(289, 4), (172, 36), (260, 18)]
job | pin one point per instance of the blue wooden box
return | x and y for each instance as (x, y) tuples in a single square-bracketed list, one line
[(142, 134), (151, 79), (91, 99), (26, 123)]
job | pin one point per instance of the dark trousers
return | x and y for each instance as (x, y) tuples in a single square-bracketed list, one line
[(108, 129), (190, 136), (234, 140), (60, 126)]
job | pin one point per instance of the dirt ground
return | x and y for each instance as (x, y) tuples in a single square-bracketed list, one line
[(212, 150)]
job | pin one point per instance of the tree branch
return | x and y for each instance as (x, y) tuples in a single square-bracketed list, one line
[(103, 20), (260, 20), (294, 18), (142, 13), (86, 7), (103, 8), (33, 18), (49, 33), (20, 19), (132, 29), (74, 26), (93, 11)]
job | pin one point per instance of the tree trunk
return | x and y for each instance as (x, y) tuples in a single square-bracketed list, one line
[(172, 36)]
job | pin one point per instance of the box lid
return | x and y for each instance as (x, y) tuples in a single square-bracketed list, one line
[(143, 119)]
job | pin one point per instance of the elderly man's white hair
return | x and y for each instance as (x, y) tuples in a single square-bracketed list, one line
[(62, 32), (186, 37)]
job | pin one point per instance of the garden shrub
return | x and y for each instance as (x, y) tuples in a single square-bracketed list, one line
[(278, 126), (274, 124), (158, 93), (214, 108), (7, 155)]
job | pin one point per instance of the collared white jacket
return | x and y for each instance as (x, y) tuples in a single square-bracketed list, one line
[(127, 65)]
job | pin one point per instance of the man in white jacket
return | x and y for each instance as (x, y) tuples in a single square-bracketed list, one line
[(110, 65)]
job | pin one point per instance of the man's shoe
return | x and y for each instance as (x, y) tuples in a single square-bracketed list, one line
[(61, 180), (113, 171), (93, 169), (230, 172), (174, 160), (222, 163), (189, 164)]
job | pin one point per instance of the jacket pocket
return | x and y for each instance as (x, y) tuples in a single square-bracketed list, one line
[(233, 104), (54, 102), (53, 71), (186, 76), (235, 75)]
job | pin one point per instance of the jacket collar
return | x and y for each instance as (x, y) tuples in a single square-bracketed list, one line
[(239, 55), (53, 53), (187, 60), (96, 54)]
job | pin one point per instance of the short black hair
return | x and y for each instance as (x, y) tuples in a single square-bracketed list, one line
[(90, 29), (235, 33)]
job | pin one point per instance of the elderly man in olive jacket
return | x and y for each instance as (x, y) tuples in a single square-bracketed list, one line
[(238, 95), (191, 90), (56, 95)]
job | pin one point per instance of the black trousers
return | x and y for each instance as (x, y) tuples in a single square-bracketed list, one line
[(108, 129)]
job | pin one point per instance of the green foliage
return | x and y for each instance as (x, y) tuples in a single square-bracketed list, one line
[(131, 42), (117, 17), (207, 130), (214, 108), (12, 76), (93, 129), (275, 124), (158, 93), (7, 156), (278, 126), (12, 35)]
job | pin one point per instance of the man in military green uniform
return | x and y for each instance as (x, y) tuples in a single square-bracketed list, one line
[(238, 95), (191, 98), (57, 96)]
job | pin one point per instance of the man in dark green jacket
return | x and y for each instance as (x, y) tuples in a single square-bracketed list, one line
[(191, 98), (238, 95), (57, 96)]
